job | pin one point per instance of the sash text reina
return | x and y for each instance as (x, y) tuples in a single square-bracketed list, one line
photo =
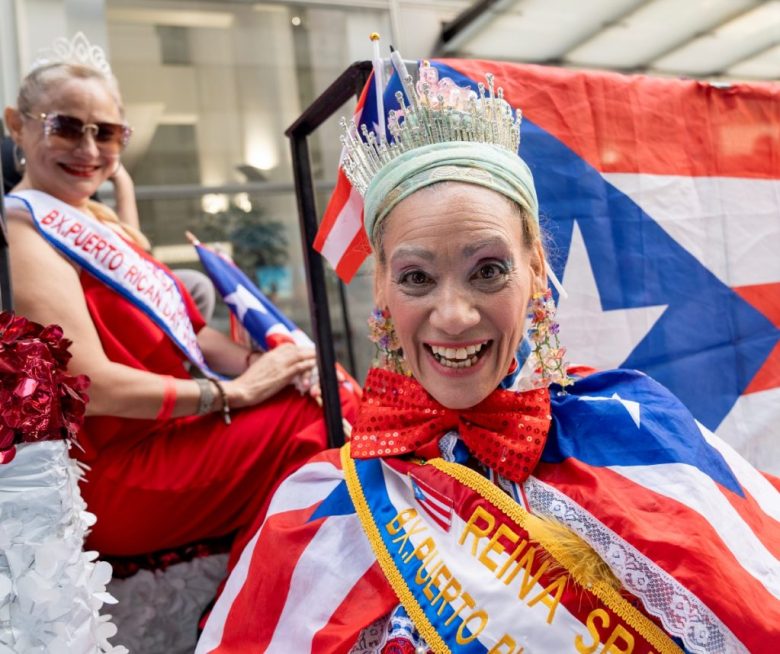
[(487, 543), (146, 279)]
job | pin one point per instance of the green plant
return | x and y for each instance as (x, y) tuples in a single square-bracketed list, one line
[(257, 240)]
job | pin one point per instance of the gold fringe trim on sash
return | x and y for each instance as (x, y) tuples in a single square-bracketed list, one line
[(567, 550), (394, 577), (559, 541)]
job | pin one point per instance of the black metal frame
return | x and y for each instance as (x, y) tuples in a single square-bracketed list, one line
[(6, 301), (346, 86)]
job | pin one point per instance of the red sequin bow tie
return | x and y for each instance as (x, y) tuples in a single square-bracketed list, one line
[(506, 431)]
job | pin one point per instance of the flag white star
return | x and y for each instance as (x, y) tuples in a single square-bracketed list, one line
[(630, 405), (243, 300), (591, 335)]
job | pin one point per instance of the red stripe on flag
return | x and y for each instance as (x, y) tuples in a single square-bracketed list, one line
[(710, 570), (370, 599), (336, 203), (256, 609), (766, 528), (437, 505), (356, 253), (435, 514), (768, 375), (346, 256), (275, 340), (636, 123), (765, 298)]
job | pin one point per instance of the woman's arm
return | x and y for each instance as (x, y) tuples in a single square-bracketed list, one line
[(124, 196), (222, 354), (266, 374), (47, 290)]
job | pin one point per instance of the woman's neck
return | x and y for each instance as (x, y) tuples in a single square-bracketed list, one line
[(25, 184)]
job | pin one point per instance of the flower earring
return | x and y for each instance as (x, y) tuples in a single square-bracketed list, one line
[(389, 352), (543, 333)]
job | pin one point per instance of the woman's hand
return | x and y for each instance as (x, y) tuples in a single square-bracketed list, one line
[(311, 382), (124, 196), (268, 374)]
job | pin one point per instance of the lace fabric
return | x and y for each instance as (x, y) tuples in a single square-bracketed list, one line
[(681, 613), (372, 638)]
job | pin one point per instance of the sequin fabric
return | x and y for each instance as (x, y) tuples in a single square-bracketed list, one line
[(506, 431)]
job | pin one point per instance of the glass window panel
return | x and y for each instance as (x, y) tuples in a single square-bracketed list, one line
[(210, 89)]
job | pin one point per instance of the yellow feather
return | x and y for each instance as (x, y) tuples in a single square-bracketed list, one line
[(585, 565)]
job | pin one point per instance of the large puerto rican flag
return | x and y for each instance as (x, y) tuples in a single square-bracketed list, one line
[(662, 200)]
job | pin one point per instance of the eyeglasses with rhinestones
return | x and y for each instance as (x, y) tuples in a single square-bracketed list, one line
[(112, 137)]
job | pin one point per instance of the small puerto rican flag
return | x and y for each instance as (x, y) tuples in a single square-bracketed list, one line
[(436, 505)]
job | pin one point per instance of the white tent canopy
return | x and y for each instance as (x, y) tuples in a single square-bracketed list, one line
[(731, 39)]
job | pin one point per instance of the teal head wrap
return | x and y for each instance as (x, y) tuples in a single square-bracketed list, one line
[(482, 164)]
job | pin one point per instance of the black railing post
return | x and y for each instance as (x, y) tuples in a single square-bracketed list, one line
[(6, 301), (346, 86), (347, 328), (318, 293)]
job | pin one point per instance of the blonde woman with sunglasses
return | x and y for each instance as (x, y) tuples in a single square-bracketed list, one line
[(173, 459)]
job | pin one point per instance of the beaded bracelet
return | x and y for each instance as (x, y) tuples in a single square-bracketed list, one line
[(223, 395), (206, 400)]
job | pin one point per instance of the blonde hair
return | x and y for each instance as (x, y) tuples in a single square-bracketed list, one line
[(108, 216), (39, 80), (37, 83)]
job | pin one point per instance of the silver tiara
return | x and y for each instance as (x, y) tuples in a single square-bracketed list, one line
[(438, 111), (77, 50)]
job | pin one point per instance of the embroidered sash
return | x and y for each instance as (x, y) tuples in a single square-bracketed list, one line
[(107, 256), (476, 575)]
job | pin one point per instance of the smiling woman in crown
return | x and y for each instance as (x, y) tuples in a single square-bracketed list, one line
[(173, 459), (490, 499)]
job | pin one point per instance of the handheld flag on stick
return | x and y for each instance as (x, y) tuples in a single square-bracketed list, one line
[(264, 322), (268, 326), (341, 238)]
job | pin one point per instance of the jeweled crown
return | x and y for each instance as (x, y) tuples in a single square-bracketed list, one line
[(77, 50), (438, 111)]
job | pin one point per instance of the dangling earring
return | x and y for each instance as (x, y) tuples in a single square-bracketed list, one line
[(543, 333), (389, 354), (20, 161)]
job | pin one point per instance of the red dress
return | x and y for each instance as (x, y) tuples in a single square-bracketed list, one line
[(157, 485)]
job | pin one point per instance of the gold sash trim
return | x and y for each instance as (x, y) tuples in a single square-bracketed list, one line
[(539, 533), (538, 530)]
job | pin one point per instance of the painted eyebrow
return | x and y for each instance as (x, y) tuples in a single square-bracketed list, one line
[(473, 248), (411, 251), (428, 255)]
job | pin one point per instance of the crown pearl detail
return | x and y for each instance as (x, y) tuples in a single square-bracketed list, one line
[(438, 111)]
